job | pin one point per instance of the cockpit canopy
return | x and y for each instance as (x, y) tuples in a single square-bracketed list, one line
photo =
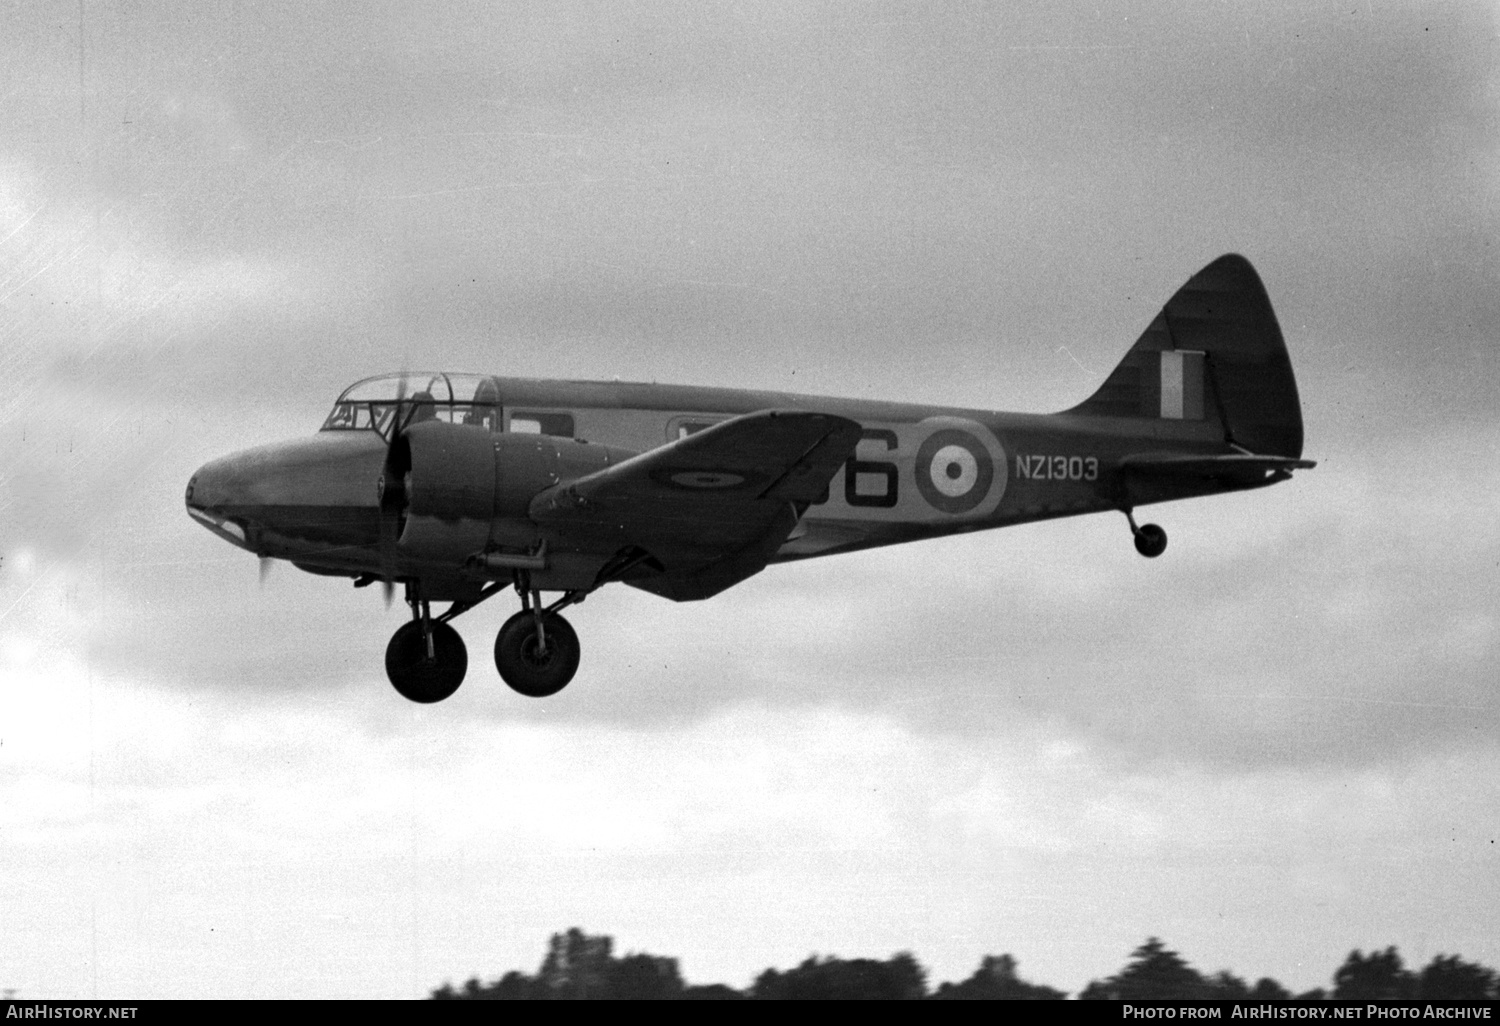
[(371, 404)]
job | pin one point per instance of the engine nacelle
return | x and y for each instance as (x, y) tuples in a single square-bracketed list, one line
[(450, 471), (527, 464), (449, 481), (469, 490)]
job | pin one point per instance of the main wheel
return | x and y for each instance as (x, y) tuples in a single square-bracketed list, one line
[(415, 675), (1150, 541), (525, 666)]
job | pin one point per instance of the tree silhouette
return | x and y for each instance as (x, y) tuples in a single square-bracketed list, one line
[(1153, 974), (996, 979), (1378, 975), (835, 979), (576, 966), (513, 986), (579, 966), (643, 978), (1450, 978), (1267, 989), (1226, 986)]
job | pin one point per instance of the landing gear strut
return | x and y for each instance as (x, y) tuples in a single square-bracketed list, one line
[(1150, 540), (537, 650), (426, 659)]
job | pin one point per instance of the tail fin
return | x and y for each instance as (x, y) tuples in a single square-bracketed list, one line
[(1214, 353)]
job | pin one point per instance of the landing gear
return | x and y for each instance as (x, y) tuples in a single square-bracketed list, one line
[(1150, 540), (422, 676), (426, 659), (536, 652)]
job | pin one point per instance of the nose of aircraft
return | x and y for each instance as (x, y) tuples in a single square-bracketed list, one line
[(294, 498), (216, 487)]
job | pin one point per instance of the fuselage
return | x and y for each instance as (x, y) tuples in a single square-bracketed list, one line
[(457, 486), (918, 471)]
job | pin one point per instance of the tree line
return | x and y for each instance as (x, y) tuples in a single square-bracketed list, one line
[(579, 966)]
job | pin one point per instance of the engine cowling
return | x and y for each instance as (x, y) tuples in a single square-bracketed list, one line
[(468, 490), (449, 485), (527, 464)]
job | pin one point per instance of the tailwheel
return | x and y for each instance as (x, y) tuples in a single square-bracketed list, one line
[(536, 655), (422, 674), (1150, 540)]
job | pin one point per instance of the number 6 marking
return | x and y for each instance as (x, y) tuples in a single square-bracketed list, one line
[(855, 467)]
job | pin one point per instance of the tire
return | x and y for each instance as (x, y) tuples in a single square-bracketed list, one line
[(522, 669), (416, 677), (1151, 541)]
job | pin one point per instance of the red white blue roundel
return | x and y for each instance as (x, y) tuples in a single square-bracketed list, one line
[(954, 470), (707, 479)]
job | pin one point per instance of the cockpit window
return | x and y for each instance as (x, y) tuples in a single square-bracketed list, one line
[(557, 424), (372, 404)]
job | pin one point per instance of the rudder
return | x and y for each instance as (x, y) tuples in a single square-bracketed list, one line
[(1214, 352)]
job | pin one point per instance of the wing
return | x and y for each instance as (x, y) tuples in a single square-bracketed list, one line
[(711, 508)]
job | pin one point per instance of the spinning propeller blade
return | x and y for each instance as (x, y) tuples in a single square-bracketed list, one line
[(390, 491)]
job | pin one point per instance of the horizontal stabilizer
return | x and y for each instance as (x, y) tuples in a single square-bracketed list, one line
[(1242, 468)]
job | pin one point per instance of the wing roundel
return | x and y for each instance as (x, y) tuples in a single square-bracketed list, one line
[(713, 507)]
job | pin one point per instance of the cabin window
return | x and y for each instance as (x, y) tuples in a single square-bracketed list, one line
[(681, 427), (527, 423)]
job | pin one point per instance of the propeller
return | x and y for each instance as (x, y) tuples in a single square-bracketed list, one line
[(265, 569), (390, 492)]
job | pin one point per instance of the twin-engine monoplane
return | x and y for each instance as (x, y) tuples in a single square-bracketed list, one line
[(456, 487)]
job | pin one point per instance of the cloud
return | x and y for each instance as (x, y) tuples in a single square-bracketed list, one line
[(570, 195), (264, 838), (208, 226), (1344, 618), (708, 234)]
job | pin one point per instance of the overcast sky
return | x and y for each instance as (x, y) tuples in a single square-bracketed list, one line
[(1278, 742)]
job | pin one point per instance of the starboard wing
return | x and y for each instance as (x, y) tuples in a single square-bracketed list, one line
[(711, 508)]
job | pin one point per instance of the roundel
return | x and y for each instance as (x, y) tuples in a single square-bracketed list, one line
[(954, 470), (707, 479)]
